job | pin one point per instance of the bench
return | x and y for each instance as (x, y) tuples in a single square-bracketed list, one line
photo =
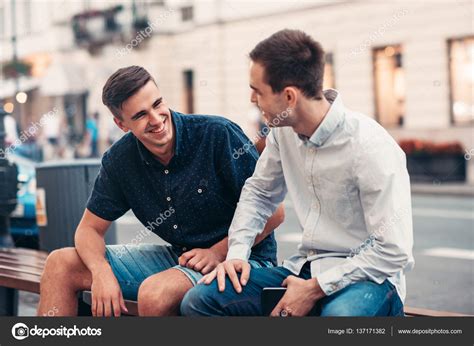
[(132, 307), (21, 269)]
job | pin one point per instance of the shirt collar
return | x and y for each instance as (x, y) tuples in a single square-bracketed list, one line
[(147, 156), (331, 121)]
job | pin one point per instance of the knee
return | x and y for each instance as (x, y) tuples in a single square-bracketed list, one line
[(201, 300), (62, 261), (155, 298)]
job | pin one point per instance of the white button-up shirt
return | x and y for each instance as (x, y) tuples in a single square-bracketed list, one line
[(351, 193)]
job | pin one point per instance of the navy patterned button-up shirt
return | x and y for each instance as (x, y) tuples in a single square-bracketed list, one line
[(190, 202)]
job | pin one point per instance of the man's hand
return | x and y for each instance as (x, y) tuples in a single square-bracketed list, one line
[(107, 299), (229, 267), (300, 297), (201, 260)]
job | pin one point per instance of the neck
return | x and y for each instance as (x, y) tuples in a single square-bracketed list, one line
[(310, 116), (166, 155), (163, 154)]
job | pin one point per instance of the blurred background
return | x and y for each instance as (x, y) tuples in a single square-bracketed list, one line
[(408, 64)]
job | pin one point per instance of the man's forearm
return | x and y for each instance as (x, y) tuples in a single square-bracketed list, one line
[(273, 222), (90, 246)]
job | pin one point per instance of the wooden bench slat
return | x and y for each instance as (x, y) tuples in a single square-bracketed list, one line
[(419, 312), (31, 262), (21, 281), (21, 268), (23, 251)]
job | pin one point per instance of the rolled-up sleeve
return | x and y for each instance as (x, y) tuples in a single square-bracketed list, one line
[(384, 186), (260, 196)]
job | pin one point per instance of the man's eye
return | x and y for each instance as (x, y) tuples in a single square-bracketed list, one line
[(156, 105)]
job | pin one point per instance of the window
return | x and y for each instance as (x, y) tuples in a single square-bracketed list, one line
[(188, 91), (329, 81), (389, 83), (187, 13), (461, 73)]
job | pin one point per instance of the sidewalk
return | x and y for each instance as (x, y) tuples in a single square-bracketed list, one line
[(453, 189)]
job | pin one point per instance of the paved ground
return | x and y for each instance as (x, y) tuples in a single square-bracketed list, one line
[(443, 277)]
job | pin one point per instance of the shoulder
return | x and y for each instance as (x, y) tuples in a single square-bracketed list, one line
[(216, 125), (204, 120), (125, 147), (372, 142)]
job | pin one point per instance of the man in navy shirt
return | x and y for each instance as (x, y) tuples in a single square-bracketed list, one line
[(181, 175)]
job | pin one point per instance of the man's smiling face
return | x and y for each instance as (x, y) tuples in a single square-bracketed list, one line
[(146, 115)]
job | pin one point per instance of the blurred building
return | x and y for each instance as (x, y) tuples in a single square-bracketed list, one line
[(410, 65)]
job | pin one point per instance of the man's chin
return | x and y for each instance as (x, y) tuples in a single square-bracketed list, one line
[(270, 122)]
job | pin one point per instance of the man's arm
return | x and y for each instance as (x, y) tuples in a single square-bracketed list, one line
[(384, 188), (203, 261), (273, 222), (107, 297), (261, 195), (89, 241)]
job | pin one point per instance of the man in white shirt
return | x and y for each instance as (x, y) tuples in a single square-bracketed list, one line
[(350, 189)]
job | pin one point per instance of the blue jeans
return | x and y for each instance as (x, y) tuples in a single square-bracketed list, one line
[(132, 264), (364, 298)]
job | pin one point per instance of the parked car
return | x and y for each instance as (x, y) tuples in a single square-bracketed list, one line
[(23, 219)]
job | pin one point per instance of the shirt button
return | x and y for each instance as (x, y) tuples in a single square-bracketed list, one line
[(168, 199), (315, 206), (199, 190), (166, 171), (311, 252), (184, 249), (175, 226)]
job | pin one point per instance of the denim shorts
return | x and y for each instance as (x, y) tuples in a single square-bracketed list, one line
[(132, 264)]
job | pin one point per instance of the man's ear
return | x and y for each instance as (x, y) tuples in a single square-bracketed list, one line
[(120, 124), (291, 96)]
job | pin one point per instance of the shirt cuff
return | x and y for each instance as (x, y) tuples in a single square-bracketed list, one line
[(336, 278), (239, 251)]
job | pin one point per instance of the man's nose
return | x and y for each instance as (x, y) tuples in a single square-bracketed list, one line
[(155, 119), (253, 97)]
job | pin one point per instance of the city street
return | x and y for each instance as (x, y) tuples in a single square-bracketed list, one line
[(444, 250)]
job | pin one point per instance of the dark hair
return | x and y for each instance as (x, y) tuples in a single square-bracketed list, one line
[(292, 58), (125, 82)]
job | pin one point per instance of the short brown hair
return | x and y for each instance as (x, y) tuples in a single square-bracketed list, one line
[(125, 82), (292, 58)]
